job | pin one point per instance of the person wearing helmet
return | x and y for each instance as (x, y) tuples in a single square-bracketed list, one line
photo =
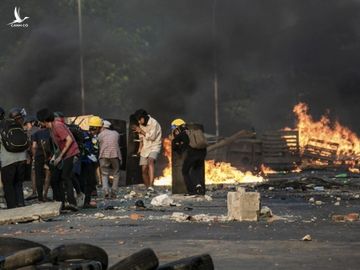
[(110, 159), (62, 162), (13, 161), (89, 160), (194, 158), (149, 131), (95, 124), (179, 137)]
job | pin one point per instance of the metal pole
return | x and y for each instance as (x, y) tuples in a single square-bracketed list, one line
[(216, 84), (82, 89)]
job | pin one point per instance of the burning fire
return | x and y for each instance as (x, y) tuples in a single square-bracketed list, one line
[(266, 170), (215, 172), (354, 170), (349, 143)]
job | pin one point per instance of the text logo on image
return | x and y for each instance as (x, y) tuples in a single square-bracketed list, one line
[(18, 22)]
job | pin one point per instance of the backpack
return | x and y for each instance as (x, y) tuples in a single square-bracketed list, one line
[(197, 139), (14, 137), (78, 134)]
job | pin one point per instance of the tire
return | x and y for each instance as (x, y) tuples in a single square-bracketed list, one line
[(144, 259), (23, 258), (79, 251), (81, 265), (201, 262), (10, 245), (70, 265), (29, 267)]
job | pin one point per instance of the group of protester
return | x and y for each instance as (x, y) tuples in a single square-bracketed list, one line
[(66, 158)]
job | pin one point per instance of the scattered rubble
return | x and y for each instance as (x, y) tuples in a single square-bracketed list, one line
[(266, 212), (182, 217), (307, 238), (319, 188), (352, 217), (131, 195), (343, 218), (99, 215), (162, 200), (135, 216)]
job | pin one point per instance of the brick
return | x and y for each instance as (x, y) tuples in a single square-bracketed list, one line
[(338, 218), (352, 217), (243, 206)]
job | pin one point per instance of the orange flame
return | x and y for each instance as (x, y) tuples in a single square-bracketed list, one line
[(215, 172), (349, 143), (266, 170)]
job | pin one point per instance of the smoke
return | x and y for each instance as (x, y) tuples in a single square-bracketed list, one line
[(270, 55), (42, 65)]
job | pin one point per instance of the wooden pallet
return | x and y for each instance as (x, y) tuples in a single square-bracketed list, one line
[(281, 149), (321, 150)]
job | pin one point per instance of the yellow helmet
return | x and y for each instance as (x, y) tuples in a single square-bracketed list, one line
[(177, 122), (95, 121)]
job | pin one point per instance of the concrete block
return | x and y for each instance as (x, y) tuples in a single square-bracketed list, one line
[(243, 206), (30, 213)]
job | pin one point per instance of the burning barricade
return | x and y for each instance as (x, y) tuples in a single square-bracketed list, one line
[(311, 145)]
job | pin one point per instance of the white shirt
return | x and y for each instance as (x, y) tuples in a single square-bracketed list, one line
[(152, 139)]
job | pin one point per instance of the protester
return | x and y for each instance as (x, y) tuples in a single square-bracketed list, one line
[(13, 146), (41, 152), (149, 131), (31, 128), (193, 144), (64, 157), (110, 158), (89, 160)]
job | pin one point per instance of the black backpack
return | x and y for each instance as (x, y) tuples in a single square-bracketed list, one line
[(14, 137), (78, 134)]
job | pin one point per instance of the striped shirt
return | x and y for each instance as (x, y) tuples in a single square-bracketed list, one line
[(109, 144)]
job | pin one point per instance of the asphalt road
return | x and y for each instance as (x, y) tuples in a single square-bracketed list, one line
[(233, 245)]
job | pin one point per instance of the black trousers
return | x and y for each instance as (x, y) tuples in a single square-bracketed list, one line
[(88, 180), (62, 182), (12, 177), (193, 169), (40, 176)]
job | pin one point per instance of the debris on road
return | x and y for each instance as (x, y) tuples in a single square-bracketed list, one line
[(30, 213), (182, 217), (162, 200), (266, 212), (307, 238), (99, 215), (343, 218)]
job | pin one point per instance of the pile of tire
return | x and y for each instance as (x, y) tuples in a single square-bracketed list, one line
[(23, 254)]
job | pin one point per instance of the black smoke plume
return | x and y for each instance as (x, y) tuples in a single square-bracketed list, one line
[(270, 56)]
